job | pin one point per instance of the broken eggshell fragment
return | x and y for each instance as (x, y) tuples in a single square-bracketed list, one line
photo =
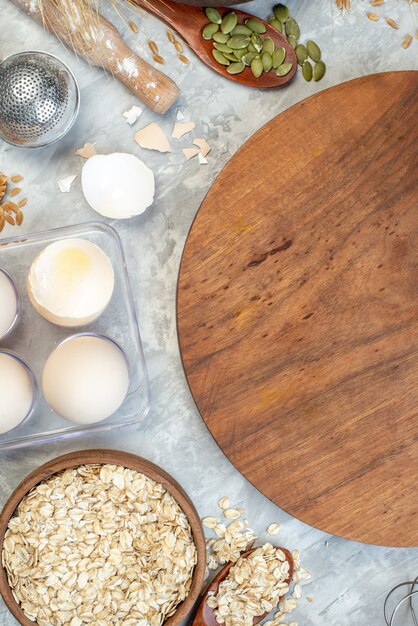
[(117, 185)]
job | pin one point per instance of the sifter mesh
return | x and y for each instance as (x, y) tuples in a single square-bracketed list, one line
[(39, 99)]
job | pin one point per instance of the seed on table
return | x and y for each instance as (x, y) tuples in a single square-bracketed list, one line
[(392, 23), (209, 30), (219, 57), (278, 57), (213, 15), (229, 21), (222, 47), (184, 59), (16, 178), (153, 46), (255, 25), (248, 57), (377, 3), (301, 53), (283, 69), (238, 42), (133, 27), (319, 70), (292, 28), (170, 37), (373, 17), (15, 191), (281, 12), (22, 202), (307, 71), (405, 44), (257, 67), (236, 68), (293, 41), (314, 50), (220, 37), (241, 29), (268, 45), (158, 59), (276, 24), (178, 46), (266, 61)]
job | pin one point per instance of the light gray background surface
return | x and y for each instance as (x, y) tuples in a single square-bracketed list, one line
[(349, 580)]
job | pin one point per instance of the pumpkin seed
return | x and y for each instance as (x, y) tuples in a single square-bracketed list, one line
[(229, 21), (240, 53), (281, 13), (209, 31), (257, 67), (314, 50), (219, 57), (292, 28), (252, 48), (241, 29), (220, 37), (278, 57), (267, 61), (283, 69), (231, 57), (247, 58), (257, 42), (222, 47), (319, 70), (236, 68), (301, 53), (238, 42), (255, 25), (268, 45), (307, 71), (213, 15), (293, 41), (276, 24)]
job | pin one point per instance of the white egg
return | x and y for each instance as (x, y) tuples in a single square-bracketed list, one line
[(117, 185), (86, 379), (16, 392), (8, 304), (70, 283)]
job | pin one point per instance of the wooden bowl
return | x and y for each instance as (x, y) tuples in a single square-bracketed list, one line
[(114, 457)]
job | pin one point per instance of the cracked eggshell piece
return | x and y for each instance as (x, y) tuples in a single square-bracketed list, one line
[(117, 185), (71, 282)]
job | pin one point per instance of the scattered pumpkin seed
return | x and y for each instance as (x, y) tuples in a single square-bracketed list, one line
[(236, 68), (307, 71), (257, 42), (314, 50), (293, 41), (213, 15), (319, 70), (240, 53), (301, 53), (209, 30), (255, 25), (284, 69), (219, 57), (238, 42), (257, 67), (229, 21), (248, 57), (268, 45), (281, 13), (220, 37), (292, 28), (267, 61), (276, 24), (252, 48), (241, 29), (278, 57), (222, 47)]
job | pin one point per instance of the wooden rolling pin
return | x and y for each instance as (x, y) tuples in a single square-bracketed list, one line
[(104, 48)]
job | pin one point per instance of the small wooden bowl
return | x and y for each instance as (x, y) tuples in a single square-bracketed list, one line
[(114, 457)]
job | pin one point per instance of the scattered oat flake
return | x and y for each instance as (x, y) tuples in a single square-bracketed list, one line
[(273, 529), (232, 514), (132, 114), (189, 153), (209, 522), (392, 23), (87, 151), (152, 137), (405, 44), (203, 145), (65, 183), (181, 129), (179, 116)]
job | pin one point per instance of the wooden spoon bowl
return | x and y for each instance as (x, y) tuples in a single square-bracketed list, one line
[(114, 457), (189, 21), (205, 616)]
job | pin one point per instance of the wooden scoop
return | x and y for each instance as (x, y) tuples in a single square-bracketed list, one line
[(107, 50), (189, 21), (205, 616)]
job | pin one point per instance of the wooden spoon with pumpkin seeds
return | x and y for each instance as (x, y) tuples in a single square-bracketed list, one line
[(189, 22)]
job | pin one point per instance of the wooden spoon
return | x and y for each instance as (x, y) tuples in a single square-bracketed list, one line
[(205, 616), (189, 21)]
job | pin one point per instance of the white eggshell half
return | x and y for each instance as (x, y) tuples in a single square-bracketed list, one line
[(85, 379), (117, 185)]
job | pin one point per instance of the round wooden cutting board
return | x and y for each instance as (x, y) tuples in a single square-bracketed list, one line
[(298, 310)]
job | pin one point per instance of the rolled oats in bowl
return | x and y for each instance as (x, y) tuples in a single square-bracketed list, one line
[(99, 544)]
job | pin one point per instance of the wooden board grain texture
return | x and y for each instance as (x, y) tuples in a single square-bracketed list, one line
[(298, 310)]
